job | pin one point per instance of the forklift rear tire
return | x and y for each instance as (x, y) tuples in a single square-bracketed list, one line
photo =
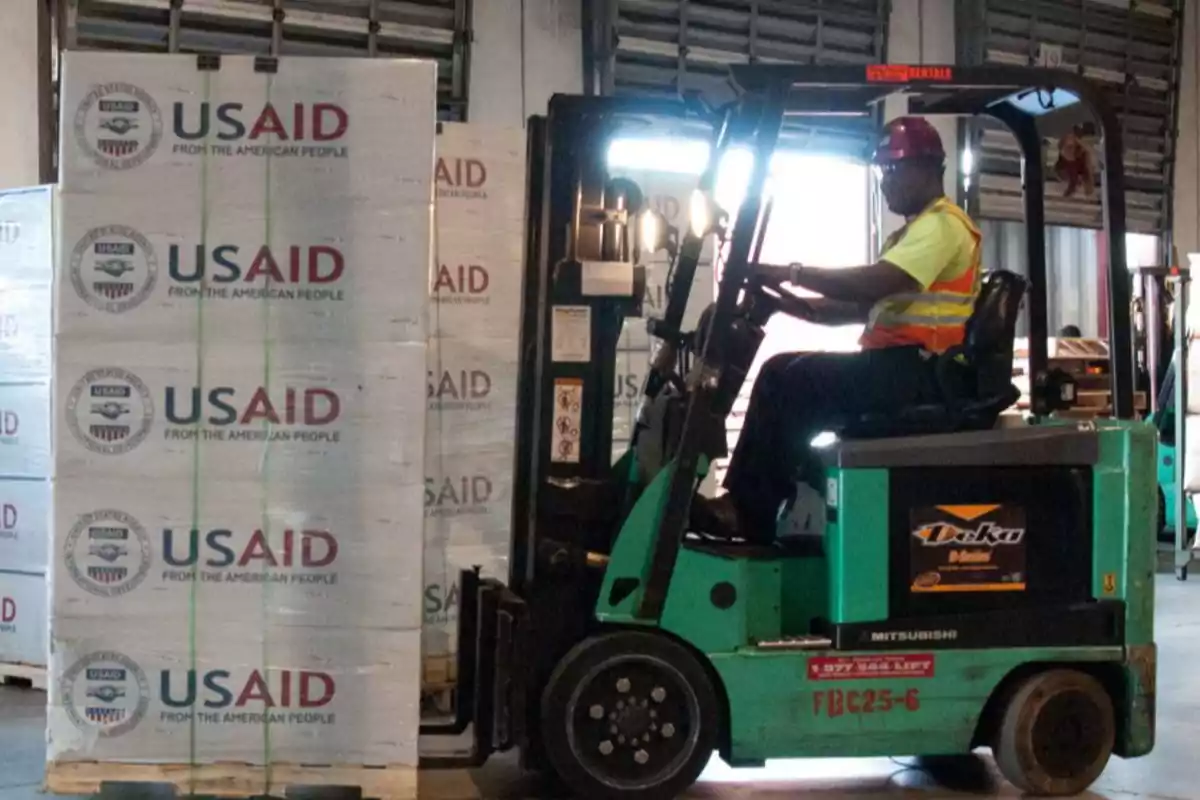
[(630, 715), (1057, 733)]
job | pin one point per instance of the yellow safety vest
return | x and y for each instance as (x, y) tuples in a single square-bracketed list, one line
[(935, 318)]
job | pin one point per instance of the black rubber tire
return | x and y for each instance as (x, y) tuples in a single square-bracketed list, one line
[(1033, 724), (577, 674)]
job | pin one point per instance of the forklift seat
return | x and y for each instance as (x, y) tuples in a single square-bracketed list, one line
[(974, 378)]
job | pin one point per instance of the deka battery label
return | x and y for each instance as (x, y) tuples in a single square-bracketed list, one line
[(967, 548)]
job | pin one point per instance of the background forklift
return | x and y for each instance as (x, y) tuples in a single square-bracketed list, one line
[(1160, 303), (972, 586)]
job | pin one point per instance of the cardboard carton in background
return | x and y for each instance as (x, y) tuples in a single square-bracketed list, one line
[(27, 236), (471, 387), (468, 499), (480, 179), (25, 430), (322, 555), (25, 524), (335, 415), (26, 333), (22, 619), (180, 268), (135, 123), (476, 286), (161, 693)]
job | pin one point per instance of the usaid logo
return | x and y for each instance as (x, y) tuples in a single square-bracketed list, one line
[(458, 495), (109, 410), (461, 178), (118, 125), (458, 390), (10, 232), (8, 615), (105, 694), (627, 389), (10, 427), (462, 284), (107, 553), (9, 520), (113, 268)]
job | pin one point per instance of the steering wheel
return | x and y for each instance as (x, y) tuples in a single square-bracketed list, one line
[(780, 299)]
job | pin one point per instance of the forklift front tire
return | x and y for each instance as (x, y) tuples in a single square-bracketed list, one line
[(1057, 733), (630, 715)]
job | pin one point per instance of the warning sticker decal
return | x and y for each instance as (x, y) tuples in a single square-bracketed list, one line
[(568, 417), (854, 668), (967, 548)]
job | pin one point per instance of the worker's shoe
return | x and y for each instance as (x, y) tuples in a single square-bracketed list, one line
[(719, 517), (715, 516)]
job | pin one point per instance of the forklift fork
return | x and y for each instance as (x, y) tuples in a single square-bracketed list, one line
[(490, 696)]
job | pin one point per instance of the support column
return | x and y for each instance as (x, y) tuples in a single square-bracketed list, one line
[(21, 85)]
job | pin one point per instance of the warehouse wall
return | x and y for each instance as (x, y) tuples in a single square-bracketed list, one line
[(19, 124), (1187, 148), (524, 52)]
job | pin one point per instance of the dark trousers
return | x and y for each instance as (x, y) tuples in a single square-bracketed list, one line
[(797, 397)]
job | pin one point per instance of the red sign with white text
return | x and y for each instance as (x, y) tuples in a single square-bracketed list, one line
[(904, 73), (852, 668)]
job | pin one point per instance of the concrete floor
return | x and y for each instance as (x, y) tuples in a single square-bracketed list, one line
[(1171, 772)]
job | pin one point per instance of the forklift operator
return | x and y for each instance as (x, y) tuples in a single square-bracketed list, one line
[(914, 300)]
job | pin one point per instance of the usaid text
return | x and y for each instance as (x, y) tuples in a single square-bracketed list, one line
[(306, 130)]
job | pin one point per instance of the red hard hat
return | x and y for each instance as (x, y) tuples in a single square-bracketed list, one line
[(908, 137)]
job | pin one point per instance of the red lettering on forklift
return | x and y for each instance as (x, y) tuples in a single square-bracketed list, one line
[(844, 668), (903, 73), (836, 702)]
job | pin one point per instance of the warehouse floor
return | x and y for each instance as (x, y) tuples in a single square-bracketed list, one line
[(1169, 773)]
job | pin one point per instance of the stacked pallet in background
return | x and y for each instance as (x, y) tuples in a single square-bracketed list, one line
[(26, 295), (241, 310), (475, 307)]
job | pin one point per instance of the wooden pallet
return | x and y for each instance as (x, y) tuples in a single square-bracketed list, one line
[(246, 780), (25, 675), (439, 679)]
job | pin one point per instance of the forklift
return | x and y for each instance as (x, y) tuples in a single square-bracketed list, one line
[(1161, 343), (973, 584)]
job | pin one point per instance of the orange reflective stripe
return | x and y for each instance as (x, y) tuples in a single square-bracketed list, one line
[(935, 318)]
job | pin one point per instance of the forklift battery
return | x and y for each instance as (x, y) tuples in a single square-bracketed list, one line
[(967, 540)]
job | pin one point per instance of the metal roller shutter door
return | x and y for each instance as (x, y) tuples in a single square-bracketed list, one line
[(666, 47), (1130, 48), (433, 29)]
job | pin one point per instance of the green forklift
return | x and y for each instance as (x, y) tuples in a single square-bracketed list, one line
[(973, 584)]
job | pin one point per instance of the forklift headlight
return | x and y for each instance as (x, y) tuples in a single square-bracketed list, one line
[(700, 213), (652, 231)]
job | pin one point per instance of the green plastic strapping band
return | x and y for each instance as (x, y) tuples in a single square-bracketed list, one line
[(193, 600), (265, 307)]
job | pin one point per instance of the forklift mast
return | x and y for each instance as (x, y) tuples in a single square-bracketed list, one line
[(581, 282)]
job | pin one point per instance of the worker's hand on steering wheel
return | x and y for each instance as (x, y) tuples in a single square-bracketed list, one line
[(771, 279), (775, 273)]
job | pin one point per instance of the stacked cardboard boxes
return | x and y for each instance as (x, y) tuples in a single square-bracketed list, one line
[(26, 293), (475, 307), (244, 250)]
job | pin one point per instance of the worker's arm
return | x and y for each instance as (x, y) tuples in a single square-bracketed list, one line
[(837, 312), (859, 286), (911, 265)]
